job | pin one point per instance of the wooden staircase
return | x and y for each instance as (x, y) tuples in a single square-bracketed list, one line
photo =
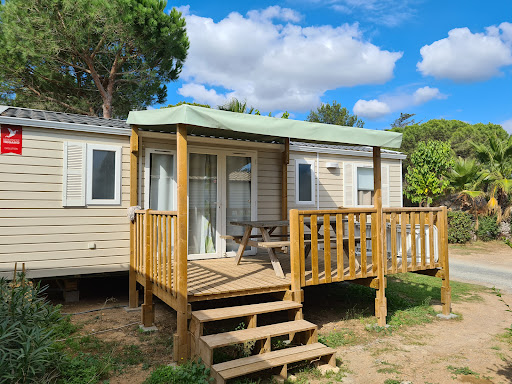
[(302, 336)]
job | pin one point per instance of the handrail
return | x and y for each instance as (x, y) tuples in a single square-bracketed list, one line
[(412, 209), (155, 212), (340, 244)]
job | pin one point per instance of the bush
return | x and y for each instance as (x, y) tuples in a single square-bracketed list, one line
[(188, 373), (460, 226), (27, 340), (488, 228)]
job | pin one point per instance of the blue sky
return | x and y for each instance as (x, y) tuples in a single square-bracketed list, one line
[(437, 59)]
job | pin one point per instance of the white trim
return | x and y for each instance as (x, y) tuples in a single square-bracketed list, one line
[(401, 186), (311, 163), (139, 170), (355, 166), (147, 174), (347, 152), (64, 126), (318, 181), (117, 190)]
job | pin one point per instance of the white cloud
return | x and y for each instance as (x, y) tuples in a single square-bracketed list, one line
[(371, 109), (384, 12), (278, 66), (387, 103), (507, 125), (466, 57), (425, 94)]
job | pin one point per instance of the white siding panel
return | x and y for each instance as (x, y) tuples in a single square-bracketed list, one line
[(34, 226)]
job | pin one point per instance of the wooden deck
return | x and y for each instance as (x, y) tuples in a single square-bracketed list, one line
[(217, 278)]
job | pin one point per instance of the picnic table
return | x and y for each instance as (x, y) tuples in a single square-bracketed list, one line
[(266, 229), (271, 242)]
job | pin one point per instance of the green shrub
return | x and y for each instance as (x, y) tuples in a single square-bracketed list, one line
[(488, 228), (27, 337), (188, 373), (460, 226)]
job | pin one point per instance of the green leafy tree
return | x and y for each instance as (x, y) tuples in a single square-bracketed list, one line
[(96, 57), (404, 120), (458, 133), (334, 114), (426, 176)]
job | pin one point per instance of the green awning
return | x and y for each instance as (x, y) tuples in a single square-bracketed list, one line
[(242, 124)]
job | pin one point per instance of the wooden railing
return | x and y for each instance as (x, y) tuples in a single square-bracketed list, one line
[(414, 238), (337, 245), (333, 245), (155, 244)]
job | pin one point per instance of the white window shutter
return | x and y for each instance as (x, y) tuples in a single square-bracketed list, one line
[(385, 185), (73, 185), (348, 184)]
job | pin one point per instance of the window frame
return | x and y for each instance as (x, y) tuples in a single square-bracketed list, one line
[(312, 164), (147, 174), (117, 176), (356, 186)]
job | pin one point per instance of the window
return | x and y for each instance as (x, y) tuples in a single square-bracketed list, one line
[(103, 174), (364, 186), (160, 182), (304, 182)]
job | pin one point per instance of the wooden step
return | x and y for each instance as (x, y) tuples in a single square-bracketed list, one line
[(259, 333), (206, 315), (240, 367)]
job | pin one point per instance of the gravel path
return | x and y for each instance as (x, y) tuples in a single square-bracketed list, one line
[(490, 276)]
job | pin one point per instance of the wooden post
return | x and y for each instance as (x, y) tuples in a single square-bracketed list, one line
[(380, 300), (446, 292), (181, 339), (284, 184), (132, 280), (148, 314), (295, 255)]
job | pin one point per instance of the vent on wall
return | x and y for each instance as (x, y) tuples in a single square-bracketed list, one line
[(332, 165)]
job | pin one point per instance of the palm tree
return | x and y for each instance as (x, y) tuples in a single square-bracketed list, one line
[(497, 157), (466, 178), (235, 105)]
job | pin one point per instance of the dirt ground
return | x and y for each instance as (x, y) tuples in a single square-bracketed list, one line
[(419, 354), (495, 253)]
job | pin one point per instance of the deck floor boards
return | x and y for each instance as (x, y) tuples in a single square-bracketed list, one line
[(216, 278)]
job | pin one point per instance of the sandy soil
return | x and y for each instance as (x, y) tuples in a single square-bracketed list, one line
[(422, 354), (493, 253), (417, 354)]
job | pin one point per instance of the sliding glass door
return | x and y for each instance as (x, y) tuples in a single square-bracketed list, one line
[(203, 205), (221, 189)]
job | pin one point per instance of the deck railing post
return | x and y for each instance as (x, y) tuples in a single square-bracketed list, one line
[(446, 294), (181, 339), (380, 300), (132, 279), (295, 260), (148, 314)]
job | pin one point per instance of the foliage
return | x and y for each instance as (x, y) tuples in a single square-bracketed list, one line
[(460, 226), (426, 176), (458, 133), (84, 368), (188, 103), (488, 229), (338, 338), (497, 159), (461, 371), (188, 373), (27, 321), (334, 114), (404, 120), (235, 105), (100, 57)]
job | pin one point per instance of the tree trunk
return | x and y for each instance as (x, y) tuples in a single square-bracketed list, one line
[(107, 110)]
